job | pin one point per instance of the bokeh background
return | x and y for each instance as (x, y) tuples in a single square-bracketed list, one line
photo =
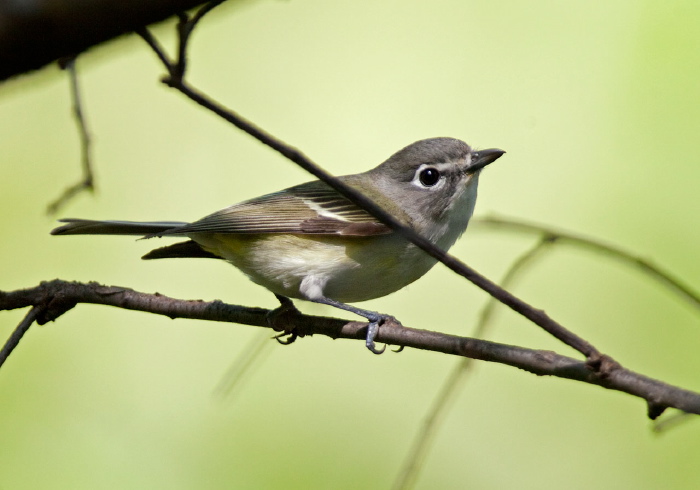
[(598, 107)]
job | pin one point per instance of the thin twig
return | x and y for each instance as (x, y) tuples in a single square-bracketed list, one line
[(87, 182), (672, 421), (204, 10), (156, 47), (183, 38), (18, 333), (251, 356), (664, 277), (425, 437), (185, 28)]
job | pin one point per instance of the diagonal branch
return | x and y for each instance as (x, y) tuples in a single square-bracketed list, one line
[(548, 236), (19, 332)]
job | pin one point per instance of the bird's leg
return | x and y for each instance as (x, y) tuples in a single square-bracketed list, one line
[(375, 319)]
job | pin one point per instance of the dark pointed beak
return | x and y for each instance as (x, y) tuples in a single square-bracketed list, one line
[(484, 157)]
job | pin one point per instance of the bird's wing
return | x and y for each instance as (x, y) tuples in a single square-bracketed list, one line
[(308, 209)]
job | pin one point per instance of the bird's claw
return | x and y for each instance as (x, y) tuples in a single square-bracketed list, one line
[(372, 331), (286, 338), (374, 350)]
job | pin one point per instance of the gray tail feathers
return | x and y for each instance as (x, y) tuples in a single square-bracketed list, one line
[(92, 227)]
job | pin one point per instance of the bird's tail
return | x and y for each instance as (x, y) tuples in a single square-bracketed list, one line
[(94, 227), (146, 229)]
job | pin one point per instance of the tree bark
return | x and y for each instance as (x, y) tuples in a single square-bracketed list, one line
[(34, 33)]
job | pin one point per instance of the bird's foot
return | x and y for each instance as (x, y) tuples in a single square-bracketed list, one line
[(375, 322), (280, 318)]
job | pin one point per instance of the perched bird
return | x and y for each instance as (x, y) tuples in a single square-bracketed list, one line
[(309, 242)]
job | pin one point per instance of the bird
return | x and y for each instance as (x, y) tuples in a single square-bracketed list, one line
[(309, 242)]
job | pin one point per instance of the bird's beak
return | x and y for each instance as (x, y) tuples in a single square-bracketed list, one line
[(484, 157)]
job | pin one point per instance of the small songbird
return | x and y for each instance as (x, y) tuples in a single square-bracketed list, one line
[(309, 242)]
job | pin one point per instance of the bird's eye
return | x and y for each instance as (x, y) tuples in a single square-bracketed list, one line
[(429, 177)]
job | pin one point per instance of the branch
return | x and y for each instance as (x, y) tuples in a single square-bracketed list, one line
[(654, 271), (18, 333), (39, 32), (244, 364), (54, 298), (87, 182)]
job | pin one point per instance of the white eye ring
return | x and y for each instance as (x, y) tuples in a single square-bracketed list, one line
[(429, 176)]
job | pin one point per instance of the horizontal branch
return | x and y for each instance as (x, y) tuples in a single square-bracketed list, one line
[(51, 299)]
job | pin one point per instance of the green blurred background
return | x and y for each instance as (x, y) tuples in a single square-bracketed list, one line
[(598, 107)]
